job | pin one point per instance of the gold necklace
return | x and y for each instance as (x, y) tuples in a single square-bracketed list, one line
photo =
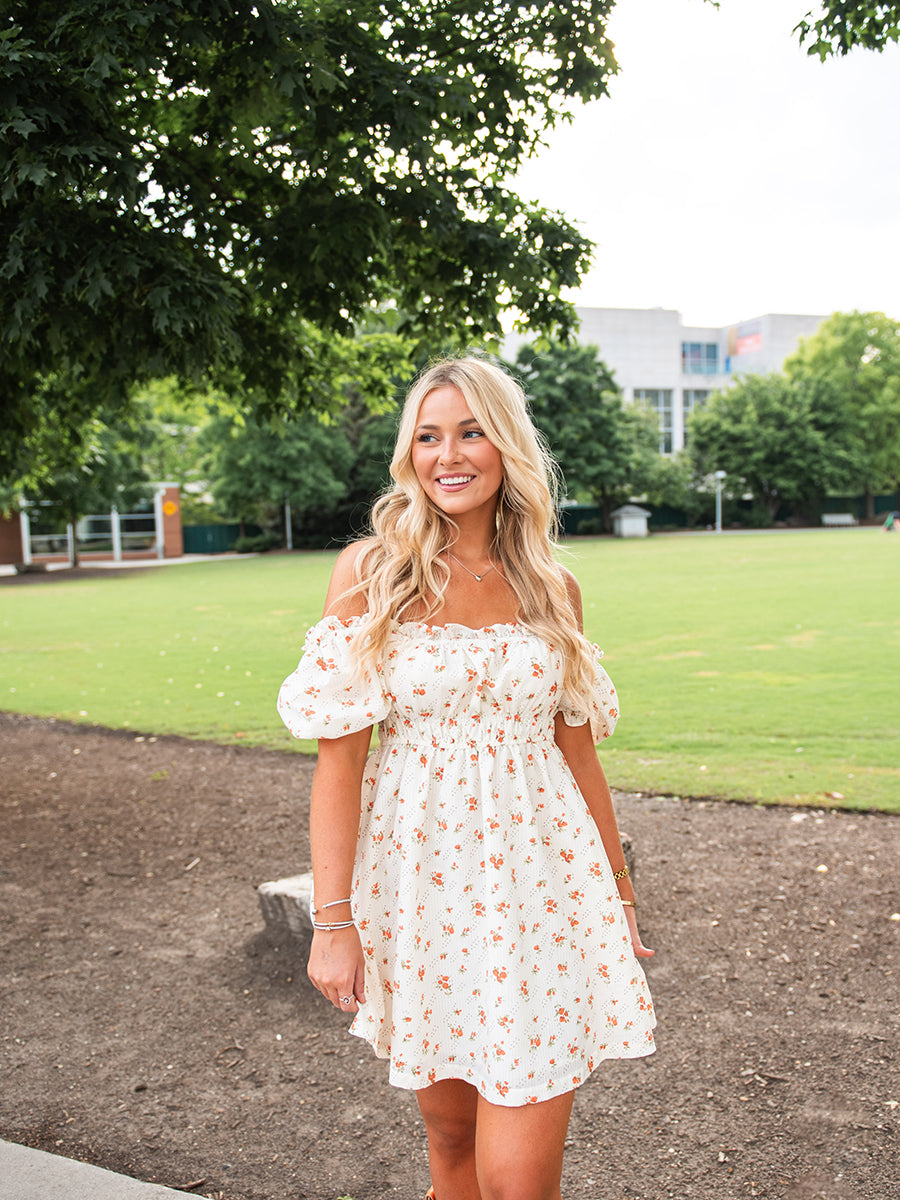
[(492, 567)]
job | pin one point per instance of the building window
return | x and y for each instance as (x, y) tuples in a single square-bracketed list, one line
[(692, 398), (660, 400), (699, 358)]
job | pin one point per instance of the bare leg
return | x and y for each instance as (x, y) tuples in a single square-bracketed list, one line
[(483, 1151), (519, 1151), (450, 1109)]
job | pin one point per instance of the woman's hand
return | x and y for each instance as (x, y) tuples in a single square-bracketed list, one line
[(640, 950), (336, 967)]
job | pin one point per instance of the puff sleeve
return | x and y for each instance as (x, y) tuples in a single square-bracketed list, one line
[(326, 697), (600, 705)]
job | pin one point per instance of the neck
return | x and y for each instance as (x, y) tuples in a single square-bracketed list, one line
[(476, 536)]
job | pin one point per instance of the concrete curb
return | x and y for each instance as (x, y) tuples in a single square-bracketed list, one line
[(27, 1174)]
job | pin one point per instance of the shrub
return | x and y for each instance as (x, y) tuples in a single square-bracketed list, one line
[(589, 526), (257, 544)]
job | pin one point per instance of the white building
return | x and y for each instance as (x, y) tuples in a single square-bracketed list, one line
[(673, 368)]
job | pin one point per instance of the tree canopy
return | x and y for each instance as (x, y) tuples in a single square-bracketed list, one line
[(849, 370), (836, 27), (840, 25), (256, 466), (109, 472), (197, 187), (762, 434), (604, 449)]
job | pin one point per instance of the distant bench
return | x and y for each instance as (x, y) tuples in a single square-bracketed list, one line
[(839, 519)]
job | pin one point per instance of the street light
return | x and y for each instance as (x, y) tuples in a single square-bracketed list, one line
[(720, 475)]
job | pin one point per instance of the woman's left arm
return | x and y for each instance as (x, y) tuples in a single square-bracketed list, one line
[(578, 749), (579, 752)]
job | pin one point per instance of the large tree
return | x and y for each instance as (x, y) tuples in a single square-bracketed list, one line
[(108, 471), (761, 432), (604, 448), (188, 187), (850, 371), (255, 466), (172, 422)]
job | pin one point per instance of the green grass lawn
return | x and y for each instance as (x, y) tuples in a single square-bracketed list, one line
[(759, 666), (749, 666)]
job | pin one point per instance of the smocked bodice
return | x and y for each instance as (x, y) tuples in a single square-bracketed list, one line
[(439, 684)]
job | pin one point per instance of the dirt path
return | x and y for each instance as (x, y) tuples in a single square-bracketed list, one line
[(151, 1026)]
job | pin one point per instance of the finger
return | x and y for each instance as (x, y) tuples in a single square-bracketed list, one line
[(334, 997), (639, 947)]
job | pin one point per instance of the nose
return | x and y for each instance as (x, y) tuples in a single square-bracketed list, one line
[(449, 450)]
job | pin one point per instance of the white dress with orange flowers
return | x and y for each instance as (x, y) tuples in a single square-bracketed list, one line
[(496, 948)]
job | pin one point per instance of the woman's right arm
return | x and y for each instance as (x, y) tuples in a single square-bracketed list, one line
[(336, 958)]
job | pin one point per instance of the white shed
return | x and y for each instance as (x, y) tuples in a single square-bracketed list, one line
[(630, 521)]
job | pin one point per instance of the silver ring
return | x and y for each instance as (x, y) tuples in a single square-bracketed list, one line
[(346, 999)]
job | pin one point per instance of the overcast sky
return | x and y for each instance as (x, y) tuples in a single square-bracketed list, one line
[(729, 174)]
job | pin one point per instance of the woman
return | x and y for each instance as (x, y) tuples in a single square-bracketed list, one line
[(473, 909)]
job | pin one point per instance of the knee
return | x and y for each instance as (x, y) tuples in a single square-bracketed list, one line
[(508, 1181), (508, 1189), (451, 1138)]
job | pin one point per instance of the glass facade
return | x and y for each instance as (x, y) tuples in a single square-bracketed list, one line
[(660, 400), (692, 398), (699, 358)]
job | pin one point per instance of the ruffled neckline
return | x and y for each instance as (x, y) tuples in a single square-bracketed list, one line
[(452, 629), (455, 629)]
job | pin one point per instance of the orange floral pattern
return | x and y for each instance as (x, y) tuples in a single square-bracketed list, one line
[(496, 948)]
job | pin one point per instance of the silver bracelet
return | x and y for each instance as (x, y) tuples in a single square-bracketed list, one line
[(332, 924), (331, 904)]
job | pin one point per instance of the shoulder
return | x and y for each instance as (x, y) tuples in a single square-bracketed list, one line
[(573, 591), (342, 601)]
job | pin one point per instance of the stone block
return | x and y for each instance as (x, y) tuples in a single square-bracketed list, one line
[(285, 905), (628, 851)]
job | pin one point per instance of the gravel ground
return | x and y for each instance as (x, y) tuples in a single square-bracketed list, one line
[(151, 1025)]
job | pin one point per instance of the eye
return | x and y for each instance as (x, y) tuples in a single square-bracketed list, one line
[(425, 437), (474, 433)]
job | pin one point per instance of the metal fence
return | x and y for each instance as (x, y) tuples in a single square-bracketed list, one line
[(112, 533)]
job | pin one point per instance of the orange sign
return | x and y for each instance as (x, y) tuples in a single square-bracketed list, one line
[(170, 508)]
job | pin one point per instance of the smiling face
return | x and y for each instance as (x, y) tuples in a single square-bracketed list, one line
[(456, 465)]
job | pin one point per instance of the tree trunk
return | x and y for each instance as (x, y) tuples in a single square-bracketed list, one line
[(73, 521), (870, 504), (606, 507)]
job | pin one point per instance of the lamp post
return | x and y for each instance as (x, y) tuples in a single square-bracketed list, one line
[(288, 531), (720, 475)]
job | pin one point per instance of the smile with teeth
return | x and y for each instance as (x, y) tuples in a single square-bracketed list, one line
[(454, 480)]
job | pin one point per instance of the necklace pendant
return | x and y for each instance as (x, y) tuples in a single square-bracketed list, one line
[(477, 578)]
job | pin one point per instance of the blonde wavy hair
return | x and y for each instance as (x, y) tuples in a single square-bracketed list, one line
[(400, 569)]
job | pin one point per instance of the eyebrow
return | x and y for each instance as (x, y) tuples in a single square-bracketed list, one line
[(467, 421)]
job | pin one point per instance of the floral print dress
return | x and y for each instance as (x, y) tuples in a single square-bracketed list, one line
[(496, 948)]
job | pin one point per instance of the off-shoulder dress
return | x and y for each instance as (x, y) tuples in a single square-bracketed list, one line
[(496, 947)]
